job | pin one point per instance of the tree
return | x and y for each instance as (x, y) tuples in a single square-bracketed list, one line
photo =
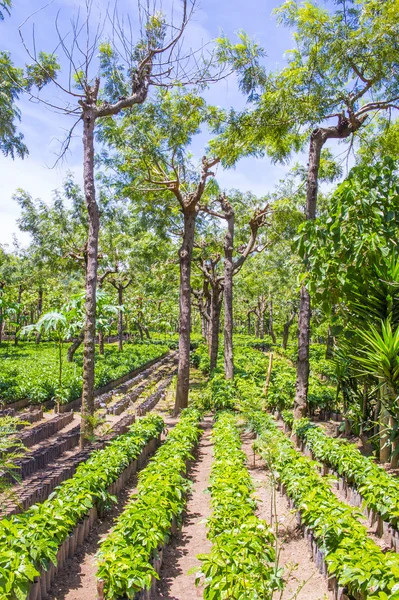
[(341, 68), (13, 82), (125, 84), (232, 267), (154, 142), (367, 33)]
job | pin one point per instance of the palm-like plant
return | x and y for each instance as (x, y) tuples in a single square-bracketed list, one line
[(379, 357)]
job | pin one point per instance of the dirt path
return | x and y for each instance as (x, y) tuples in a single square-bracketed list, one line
[(304, 582), (78, 578), (180, 554), (384, 540)]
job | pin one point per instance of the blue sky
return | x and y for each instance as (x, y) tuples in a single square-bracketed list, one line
[(44, 129)]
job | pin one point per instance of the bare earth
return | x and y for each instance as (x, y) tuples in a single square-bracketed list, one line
[(304, 582), (180, 554), (77, 581)]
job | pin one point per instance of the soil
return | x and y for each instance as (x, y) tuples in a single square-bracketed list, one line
[(180, 555), (78, 578), (302, 578)]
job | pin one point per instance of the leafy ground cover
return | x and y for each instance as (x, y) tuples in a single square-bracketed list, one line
[(281, 390), (125, 558), (379, 489), (241, 563), (31, 371), (29, 541), (251, 367), (351, 556)]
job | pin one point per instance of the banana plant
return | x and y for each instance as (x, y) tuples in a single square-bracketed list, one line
[(60, 325)]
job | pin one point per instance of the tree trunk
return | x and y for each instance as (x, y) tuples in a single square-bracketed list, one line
[(216, 306), (330, 344), (286, 329), (91, 277), (101, 342), (146, 331), (228, 298), (271, 328), (140, 330), (249, 323), (269, 374), (185, 257), (302, 374), (262, 324), (257, 321), (39, 312), (204, 327), (302, 377), (74, 346), (120, 318)]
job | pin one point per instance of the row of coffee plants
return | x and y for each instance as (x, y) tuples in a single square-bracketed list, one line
[(242, 562), (29, 541), (127, 557), (379, 490), (281, 390), (317, 357), (251, 367), (31, 370), (356, 562)]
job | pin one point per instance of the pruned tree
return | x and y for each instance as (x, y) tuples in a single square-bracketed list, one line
[(344, 67), (232, 267), (120, 282), (209, 270), (98, 90)]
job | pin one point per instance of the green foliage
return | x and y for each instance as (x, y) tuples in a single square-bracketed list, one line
[(242, 560), (351, 556), (125, 556), (281, 391), (31, 371), (352, 252), (30, 541), (11, 448), (4, 5), (379, 490), (13, 81), (379, 355), (220, 394), (243, 57)]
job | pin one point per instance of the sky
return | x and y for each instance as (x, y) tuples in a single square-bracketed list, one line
[(44, 129)]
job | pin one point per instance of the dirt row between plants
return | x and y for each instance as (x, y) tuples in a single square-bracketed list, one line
[(46, 474), (384, 540), (303, 580), (180, 556), (78, 580), (177, 582)]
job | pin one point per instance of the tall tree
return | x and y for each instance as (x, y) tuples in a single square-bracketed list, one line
[(126, 73), (344, 68)]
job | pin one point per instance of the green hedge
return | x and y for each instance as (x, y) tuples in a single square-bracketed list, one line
[(125, 556), (30, 541), (31, 371), (351, 556), (379, 489), (241, 563)]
